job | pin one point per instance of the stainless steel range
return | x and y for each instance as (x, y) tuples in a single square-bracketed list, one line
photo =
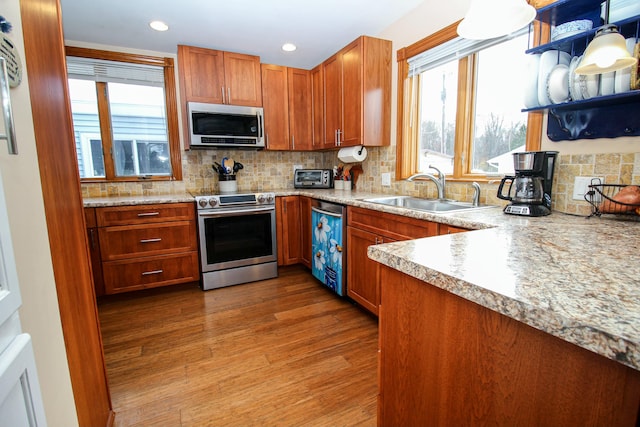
[(237, 235)]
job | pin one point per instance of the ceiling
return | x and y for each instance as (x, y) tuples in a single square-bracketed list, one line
[(259, 27)]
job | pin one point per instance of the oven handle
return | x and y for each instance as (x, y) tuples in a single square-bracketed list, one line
[(236, 212)]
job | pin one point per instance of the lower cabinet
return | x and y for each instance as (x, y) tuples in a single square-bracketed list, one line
[(305, 227), (366, 227), (288, 230), (450, 229), (448, 361), (143, 246)]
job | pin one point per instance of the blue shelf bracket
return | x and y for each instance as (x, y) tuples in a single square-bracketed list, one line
[(613, 121)]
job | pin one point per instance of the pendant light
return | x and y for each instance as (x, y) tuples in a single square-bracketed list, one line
[(607, 51), (488, 19)]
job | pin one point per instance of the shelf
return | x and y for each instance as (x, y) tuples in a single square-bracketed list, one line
[(598, 101), (563, 11)]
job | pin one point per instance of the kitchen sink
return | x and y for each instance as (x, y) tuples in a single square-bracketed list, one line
[(427, 205)]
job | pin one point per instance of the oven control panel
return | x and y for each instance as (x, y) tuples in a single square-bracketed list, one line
[(235, 200)]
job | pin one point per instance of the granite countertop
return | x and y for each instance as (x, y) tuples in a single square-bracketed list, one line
[(572, 277)]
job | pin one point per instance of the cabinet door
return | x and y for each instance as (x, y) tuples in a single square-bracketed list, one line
[(242, 79), (317, 107), (300, 121), (288, 229), (201, 74), (352, 95), (363, 273), (332, 100), (305, 230), (276, 107), (449, 229)]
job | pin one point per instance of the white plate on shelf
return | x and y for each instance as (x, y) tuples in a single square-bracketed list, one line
[(548, 60), (622, 81), (589, 85), (607, 83), (574, 86), (558, 84), (531, 81)]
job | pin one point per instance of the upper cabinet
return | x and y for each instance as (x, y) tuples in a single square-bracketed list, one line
[(286, 98), (357, 95), (217, 77), (599, 106)]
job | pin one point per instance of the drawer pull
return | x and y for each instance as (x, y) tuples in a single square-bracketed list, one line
[(147, 273), (157, 239), (149, 214)]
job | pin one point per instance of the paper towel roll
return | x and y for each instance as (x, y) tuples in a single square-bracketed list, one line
[(352, 154)]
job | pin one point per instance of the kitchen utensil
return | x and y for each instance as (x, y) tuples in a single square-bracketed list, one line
[(218, 168), (237, 166), (230, 164), (224, 165)]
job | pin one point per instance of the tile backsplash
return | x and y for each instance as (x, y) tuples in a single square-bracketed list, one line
[(273, 170)]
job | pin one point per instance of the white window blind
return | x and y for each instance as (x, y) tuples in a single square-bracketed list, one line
[(454, 50), (100, 70)]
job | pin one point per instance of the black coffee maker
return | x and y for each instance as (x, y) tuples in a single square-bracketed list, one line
[(531, 184)]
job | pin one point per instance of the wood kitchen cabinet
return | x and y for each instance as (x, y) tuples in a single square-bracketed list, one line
[(286, 96), (305, 231), (94, 248), (288, 230), (145, 246), (447, 361), (367, 227), (217, 77), (450, 229), (357, 94), (317, 106)]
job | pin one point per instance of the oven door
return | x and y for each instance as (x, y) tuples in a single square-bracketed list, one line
[(237, 237)]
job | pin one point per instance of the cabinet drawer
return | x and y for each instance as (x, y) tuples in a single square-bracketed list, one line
[(147, 240), (144, 214), (394, 226), (150, 272)]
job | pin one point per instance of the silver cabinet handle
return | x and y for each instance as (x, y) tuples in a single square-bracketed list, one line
[(147, 273), (157, 239), (222, 90), (229, 95), (10, 134), (149, 214)]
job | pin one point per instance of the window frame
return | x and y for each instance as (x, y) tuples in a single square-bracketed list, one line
[(407, 149), (171, 109)]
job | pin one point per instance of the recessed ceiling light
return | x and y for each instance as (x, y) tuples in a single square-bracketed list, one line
[(159, 26), (289, 47)]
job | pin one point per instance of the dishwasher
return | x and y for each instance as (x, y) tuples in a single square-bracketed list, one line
[(328, 245)]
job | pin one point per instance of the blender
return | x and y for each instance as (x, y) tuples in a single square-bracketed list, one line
[(531, 183)]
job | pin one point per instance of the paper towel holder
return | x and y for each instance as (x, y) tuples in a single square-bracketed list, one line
[(347, 154)]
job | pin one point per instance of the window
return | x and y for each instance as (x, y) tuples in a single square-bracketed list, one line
[(460, 106), (124, 116)]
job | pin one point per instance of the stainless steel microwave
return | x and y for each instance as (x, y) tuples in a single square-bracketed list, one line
[(228, 126)]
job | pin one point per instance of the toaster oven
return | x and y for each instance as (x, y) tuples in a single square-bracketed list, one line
[(313, 178)]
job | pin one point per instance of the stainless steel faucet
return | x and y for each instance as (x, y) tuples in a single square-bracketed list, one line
[(476, 193), (439, 181)]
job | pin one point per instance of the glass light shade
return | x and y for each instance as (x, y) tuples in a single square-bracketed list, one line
[(607, 52), (488, 19)]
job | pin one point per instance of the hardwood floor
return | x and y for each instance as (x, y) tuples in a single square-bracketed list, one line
[(280, 352)]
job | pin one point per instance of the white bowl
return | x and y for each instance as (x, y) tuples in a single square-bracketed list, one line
[(570, 28), (621, 9), (607, 83), (548, 60), (531, 81), (558, 84)]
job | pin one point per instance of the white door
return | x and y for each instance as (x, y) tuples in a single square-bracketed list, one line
[(20, 399)]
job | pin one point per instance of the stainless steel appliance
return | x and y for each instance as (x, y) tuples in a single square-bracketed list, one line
[(230, 126), (328, 245), (531, 184), (313, 178), (237, 234)]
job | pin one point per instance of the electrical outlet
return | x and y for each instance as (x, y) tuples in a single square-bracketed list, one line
[(296, 167), (581, 185), (386, 179)]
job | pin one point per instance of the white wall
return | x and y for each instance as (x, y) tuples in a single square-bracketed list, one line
[(39, 313)]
